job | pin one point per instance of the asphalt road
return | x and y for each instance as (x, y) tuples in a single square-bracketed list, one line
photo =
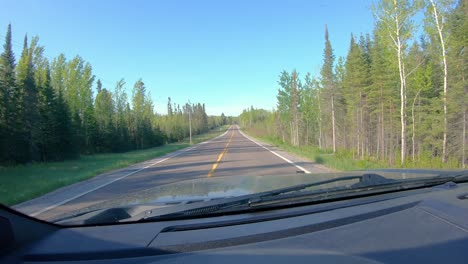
[(231, 154)]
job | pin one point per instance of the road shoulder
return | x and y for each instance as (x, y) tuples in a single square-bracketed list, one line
[(68, 193), (309, 165)]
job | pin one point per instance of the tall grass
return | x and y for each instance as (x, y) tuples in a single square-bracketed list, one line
[(344, 160), (24, 182)]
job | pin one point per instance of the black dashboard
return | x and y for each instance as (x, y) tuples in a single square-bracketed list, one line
[(427, 225)]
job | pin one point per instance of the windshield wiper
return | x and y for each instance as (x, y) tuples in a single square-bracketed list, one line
[(368, 184), (191, 210)]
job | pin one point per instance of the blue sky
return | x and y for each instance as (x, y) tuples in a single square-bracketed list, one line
[(226, 54)]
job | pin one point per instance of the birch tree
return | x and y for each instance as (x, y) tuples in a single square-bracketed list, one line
[(438, 10), (395, 17)]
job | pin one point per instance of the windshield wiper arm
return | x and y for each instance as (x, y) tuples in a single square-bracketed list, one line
[(365, 180), (369, 183)]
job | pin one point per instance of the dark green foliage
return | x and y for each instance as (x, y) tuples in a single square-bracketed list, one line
[(49, 112), (28, 115), (10, 102), (104, 113)]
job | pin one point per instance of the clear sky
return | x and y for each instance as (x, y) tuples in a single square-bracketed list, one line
[(226, 54)]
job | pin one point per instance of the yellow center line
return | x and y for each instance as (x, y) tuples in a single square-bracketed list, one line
[(220, 156)]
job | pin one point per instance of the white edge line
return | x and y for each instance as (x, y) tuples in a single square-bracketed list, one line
[(285, 159), (119, 178)]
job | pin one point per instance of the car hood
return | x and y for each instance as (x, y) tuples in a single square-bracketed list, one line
[(205, 189)]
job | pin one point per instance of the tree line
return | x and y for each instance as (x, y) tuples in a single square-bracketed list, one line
[(396, 97), (48, 110)]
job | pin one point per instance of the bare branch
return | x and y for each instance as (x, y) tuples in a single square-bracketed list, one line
[(415, 68)]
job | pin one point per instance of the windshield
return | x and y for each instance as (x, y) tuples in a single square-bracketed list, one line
[(162, 103)]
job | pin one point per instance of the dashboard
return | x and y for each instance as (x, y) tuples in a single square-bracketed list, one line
[(427, 225)]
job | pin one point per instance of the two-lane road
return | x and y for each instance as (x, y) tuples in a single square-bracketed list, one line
[(231, 154)]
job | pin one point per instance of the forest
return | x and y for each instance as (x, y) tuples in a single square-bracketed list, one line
[(398, 96), (52, 110)]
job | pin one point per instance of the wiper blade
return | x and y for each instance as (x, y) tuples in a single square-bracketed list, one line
[(365, 180), (370, 183)]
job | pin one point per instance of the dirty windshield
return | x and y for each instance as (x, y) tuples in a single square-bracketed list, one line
[(107, 104)]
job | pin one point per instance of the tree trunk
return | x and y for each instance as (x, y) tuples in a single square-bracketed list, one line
[(464, 140), (358, 133), (391, 137), (291, 133), (294, 119), (361, 124), (333, 122), (464, 126), (190, 126), (319, 119), (382, 136), (413, 136), (401, 69), (444, 60)]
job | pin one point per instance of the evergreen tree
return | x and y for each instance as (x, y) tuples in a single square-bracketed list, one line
[(457, 60), (28, 92), (351, 86), (49, 113), (10, 101), (98, 86), (328, 83), (66, 135)]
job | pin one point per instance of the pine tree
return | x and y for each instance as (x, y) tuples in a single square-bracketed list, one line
[(457, 60), (66, 135), (328, 83), (9, 96), (340, 106), (98, 86), (46, 140), (351, 86), (381, 95), (29, 114)]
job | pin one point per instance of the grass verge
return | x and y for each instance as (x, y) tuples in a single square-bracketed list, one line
[(343, 160), (25, 182), (338, 161)]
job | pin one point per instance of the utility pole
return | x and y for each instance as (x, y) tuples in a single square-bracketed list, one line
[(190, 120)]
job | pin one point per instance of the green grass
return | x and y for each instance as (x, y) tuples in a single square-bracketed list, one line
[(338, 161), (25, 182), (343, 160)]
